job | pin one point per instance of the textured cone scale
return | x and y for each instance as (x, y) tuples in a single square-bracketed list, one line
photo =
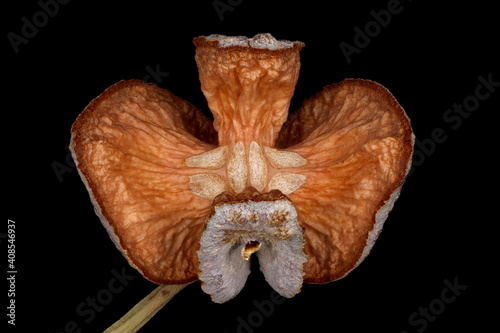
[(248, 89), (358, 144), (185, 198), (130, 146)]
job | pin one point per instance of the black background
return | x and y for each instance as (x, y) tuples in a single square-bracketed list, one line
[(443, 227)]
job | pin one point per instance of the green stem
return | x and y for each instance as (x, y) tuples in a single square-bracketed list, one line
[(143, 311)]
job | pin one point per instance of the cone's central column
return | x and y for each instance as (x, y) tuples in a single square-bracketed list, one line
[(248, 83)]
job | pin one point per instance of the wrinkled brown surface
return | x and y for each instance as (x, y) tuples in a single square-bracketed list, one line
[(130, 145), (248, 90), (357, 141)]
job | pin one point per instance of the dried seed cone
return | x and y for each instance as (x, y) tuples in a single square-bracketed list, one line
[(153, 163)]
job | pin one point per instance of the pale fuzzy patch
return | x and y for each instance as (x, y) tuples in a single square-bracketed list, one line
[(212, 159), (259, 41), (237, 168), (286, 182), (273, 224), (207, 185), (258, 167), (284, 159)]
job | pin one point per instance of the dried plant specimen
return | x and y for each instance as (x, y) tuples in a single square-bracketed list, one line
[(187, 199)]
